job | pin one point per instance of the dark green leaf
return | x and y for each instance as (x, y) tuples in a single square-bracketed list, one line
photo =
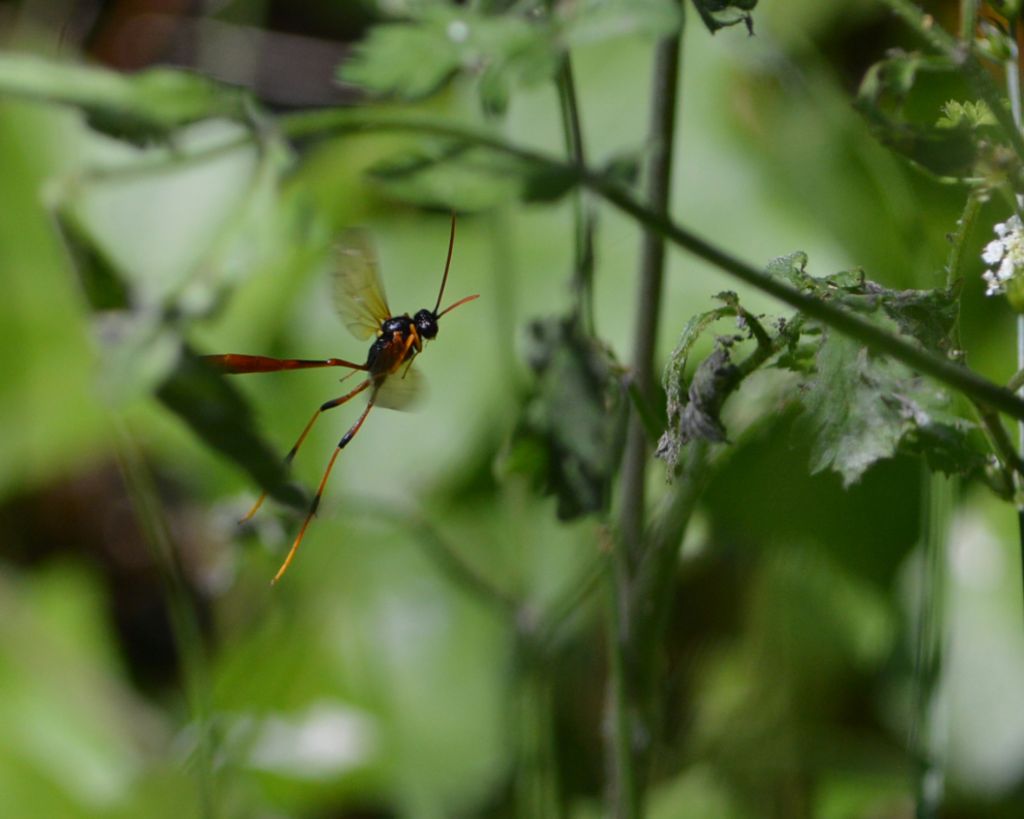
[(569, 435), (624, 168), (948, 445), (101, 281), (453, 174), (865, 408), (926, 315), (718, 14), (546, 185), (897, 97), (856, 406), (140, 108), (218, 414)]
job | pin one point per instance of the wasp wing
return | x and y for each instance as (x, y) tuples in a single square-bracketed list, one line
[(358, 292), (402, 390)]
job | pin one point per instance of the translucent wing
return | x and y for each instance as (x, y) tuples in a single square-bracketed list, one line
[(358, 293), (401, 390)]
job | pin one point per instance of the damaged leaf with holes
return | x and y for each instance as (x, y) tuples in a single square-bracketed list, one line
[(677, 388), (569, 436), (861, 408), (864, 408)]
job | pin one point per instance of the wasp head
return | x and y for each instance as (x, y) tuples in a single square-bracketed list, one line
[(426, 323)]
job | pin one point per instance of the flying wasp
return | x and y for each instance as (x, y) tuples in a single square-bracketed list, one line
[(390, 380)]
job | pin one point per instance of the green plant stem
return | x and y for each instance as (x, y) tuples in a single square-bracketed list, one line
[(652, 267), (652, 589), (631, 695), (623, 792), (968, 18), (444, 556), (184, 625), (583, 262), (925, 746)]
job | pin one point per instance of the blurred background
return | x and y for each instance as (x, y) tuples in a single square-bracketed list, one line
[(386, 675)]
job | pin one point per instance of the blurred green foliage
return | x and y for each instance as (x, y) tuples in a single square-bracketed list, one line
[(438, 649)]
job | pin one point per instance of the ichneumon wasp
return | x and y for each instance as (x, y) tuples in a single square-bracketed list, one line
[(390, 380)]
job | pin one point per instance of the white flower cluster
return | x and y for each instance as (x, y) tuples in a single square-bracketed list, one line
[(1005, 255)]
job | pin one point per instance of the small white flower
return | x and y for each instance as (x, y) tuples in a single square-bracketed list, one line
[(1004, 255)]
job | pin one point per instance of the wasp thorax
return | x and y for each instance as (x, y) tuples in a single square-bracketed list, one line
[(396, 324), (426, 323)]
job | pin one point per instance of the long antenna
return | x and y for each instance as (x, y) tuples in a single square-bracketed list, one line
[(447, 264)]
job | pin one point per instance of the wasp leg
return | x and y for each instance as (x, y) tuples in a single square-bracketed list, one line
[(335, 402), (345, 439)]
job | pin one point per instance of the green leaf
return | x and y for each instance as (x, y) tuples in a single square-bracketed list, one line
[(101, 280), (411, 60), (925, 315), (453, 174), (570, 433), (140, 108), (718, 14), (220, 416), (897, 98), (856, 407), (404, 60), (974, 114), (792, 268), (928, 316), (865, 408)]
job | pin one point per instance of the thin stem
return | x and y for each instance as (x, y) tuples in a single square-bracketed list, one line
[(447, 559), (925, 743), (631, 694), (652, 590), (583, 262), (968, 18), (537, 785), (652, 266), (184, 625), (995, 432), (958, 251), (624, 794)]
